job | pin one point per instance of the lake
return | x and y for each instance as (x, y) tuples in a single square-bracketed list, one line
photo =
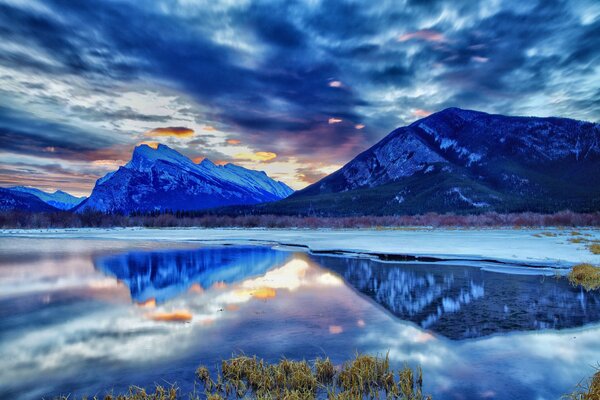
[(89, 316)]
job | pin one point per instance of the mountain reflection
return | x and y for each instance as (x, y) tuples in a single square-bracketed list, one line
[(466, 302), (161, 275)]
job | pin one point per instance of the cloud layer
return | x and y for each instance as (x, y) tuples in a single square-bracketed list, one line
[(313, 83)]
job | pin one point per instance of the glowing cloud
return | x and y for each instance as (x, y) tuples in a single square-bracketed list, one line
[(198, 160), (175, 131), (264, 293), (359, 126), (175, 316), (259, 156), (335, 84), (335, 329), (427, 35), (233, 141), (154, 145), (334, 121), (421, 113)]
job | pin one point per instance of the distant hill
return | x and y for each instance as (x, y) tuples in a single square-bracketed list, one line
[(13, 200), (58, 199), (162, 179), (466, 162)]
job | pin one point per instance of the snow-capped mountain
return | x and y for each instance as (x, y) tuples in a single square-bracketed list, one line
[(58, 199), (163, 179), (13, 200), (465, 161)]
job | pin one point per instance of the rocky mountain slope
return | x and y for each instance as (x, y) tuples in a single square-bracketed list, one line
[(464, 161), (162, 179)]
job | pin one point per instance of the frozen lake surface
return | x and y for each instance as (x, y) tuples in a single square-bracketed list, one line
[(83, 312)]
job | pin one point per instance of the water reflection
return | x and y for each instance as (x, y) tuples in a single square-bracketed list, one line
[(159, 276), (68, 325), (462, 302)]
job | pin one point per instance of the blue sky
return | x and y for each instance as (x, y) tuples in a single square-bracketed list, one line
[(295, 88)]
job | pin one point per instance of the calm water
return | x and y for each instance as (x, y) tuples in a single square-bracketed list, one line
[(84, 316)]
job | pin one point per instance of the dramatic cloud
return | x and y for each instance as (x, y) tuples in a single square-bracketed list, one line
[(259, 156), (176, 131), (295, 88)]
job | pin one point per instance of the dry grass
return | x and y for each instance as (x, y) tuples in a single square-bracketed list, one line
[(585, 275), (589, 390), (594, 248), (137, 393), (363, 377)]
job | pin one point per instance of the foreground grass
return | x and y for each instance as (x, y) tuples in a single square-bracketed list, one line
[(364, 377), (585, 275), (589, 390)]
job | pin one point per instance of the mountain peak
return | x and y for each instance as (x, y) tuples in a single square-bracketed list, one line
[(145, 156), (160, 178)]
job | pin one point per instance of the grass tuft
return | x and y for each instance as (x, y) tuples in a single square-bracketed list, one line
[(363, 377), (585, 275), (594, 248), (589, 390)]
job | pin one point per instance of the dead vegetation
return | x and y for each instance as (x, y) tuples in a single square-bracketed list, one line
[(588, 390), (364, 377), (585, 275)]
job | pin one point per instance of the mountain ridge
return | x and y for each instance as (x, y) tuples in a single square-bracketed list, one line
[(162, 179), (464, 161), (59, 199)]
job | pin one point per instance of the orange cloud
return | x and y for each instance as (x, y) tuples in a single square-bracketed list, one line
[(175, 316), (154, 145), (427, 35), (335, 329), (359, 126), (335, 84), (334, 121), (196, 288), (176, 131), (150, 303), (198, 160), (259, 156), (209, 128), (421, 113), (233, 141), (264, 293)]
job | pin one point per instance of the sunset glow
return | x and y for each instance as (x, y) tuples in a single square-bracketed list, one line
[(293, 101)]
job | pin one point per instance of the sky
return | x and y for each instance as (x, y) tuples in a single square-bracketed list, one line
[(293, 88)]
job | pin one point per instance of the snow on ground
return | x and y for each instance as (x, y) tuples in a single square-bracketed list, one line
[(551, 247)]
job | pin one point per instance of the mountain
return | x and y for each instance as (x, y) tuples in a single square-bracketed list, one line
[(467, 162), (12, 200), (58, 199), (163, 179)]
